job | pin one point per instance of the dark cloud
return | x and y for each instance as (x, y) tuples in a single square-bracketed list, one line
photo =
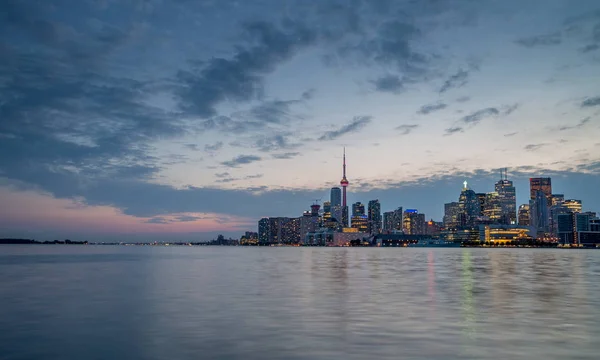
[(288, 155), (406, 129), (222, 175), (357, 123), (389, 83), (590, 48), (240, 78), (241, 160), (589, 102), (510, 134), (213, 147), (255, 176), (193, 147), (157, 220), (477, 116), (308, 94), (463, 99), (541, 40), (187, 218), (509, 109), (453, 130), (276, 142), (426, 109), (455, 81), (534, 147), (580, 124)]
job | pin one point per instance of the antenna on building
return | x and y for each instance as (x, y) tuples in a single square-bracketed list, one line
[(317, 201)]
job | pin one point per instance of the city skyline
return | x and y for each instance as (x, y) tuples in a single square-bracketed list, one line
[(154, 119)]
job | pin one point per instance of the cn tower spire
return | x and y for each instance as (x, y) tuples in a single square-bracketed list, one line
[(344, 162)]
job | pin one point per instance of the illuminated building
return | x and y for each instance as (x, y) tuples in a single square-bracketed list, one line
[(451, 215), (556, 210), (538, 212), (374, 217), (326, 211), (460, 235), (507, 195), (360, 222), (493, 207), (344, 184), (501, 233), (358, 209), (482, 198), (573, 205), (264, 230), (308, 223), (469, 206), (524, 215), (290, 230), (433, 228), (541, 184), (414, 223), (397, 220), (577, 229), (336, 203), (388, 221), (557, 199)]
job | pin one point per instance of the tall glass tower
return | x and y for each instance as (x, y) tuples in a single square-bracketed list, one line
[(336, 203)]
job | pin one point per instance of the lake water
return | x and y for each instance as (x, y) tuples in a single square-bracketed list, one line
[(117, 302)]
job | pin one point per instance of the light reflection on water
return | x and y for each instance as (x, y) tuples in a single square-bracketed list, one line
[(87, 302)]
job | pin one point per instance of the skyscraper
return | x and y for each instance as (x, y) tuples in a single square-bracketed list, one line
[(358, 209), (388, 221), (469, 206), (264, 230), (524, 215), (397, 219), (573, 205), (538, 212), (507, 197), (541, 184), (557, 199), (414, 223), (344, 183), (452, 215), (374, 217), (493, 207), (336, 203)]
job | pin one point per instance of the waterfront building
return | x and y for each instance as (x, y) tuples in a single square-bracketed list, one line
[(573, 205), (524, 215), (264, 230), (556, 210), (578, 229), (374, 217), (451, 215), (414, 223), (460, 235), (433, 228), (503, 233), (308, 223)]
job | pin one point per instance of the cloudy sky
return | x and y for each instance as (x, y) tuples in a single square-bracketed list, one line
[(179, 119)]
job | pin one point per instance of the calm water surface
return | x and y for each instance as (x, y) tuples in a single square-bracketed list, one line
[(115, 302)]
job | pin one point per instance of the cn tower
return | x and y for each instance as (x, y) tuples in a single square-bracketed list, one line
[(344, 183)]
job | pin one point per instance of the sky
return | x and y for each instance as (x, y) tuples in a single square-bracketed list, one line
[(179, 120)]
